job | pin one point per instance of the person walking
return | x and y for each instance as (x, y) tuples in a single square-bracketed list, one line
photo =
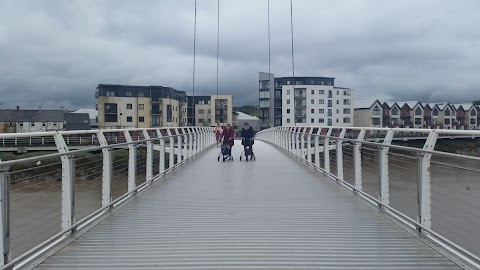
[(228, 136), (218, 132), (247, 135)]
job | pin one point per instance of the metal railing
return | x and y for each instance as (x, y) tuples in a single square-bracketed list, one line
[(436, 194), (46, 198)]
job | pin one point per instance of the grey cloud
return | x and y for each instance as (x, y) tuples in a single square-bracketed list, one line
[(55, 52)]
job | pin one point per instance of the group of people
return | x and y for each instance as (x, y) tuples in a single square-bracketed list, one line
[(227, 135)]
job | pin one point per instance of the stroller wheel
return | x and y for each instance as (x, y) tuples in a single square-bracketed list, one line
[(218, 158), (240, 158), (253, 158), (223, 159)]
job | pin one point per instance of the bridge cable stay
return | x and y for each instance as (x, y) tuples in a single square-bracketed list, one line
[(218, 38), (293, 59), (269, 42), (194, 58)]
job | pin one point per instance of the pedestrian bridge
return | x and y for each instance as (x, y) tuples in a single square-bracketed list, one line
[(163, 201)]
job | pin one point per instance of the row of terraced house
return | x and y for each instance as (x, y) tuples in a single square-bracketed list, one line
[(416, 114)]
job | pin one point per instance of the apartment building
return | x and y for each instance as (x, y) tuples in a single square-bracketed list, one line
[(313, 101), (415, 114), (210, 110), (126, 106)]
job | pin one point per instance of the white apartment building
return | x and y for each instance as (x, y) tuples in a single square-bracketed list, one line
[(314, 101)]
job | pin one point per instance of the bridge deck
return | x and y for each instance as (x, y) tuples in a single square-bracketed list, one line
[(275, 213)]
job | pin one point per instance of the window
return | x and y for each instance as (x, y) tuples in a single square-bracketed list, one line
[(435, 112), (395, 111), (338, 93), (418, 121), (321, 120), (312, 101), (447, 113), (312, 110), (330, 103), (346, 111), (473, 113), (338, 101), (111, 108), (338, 111), (288, 92), (288, 82), (321, 92), (129, 119), (288, 120), (128, 94), (21, 125), (209, 111), (329, 112), (312, 92), (329, 93), (32, 124), (472, 122), (337, 120), (201, 111), (141, 106), (346, 92), (264, 104), (140, 94), (447, 121), (375, 121), (55, 124), (299, 83), (346, 120), (311, 82), (43, 124), (376, 111), (346, 102), (129, 106), (418, 111), (288, 101), (321, 101), (10, 124), (312, 120), (141, 119), (110, 94), (288, 110), (263, 94), (321, 110)]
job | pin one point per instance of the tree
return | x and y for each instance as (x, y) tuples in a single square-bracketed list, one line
[(476, 102)]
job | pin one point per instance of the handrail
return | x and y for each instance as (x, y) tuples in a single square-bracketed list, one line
[(184, 142), (292, 140)]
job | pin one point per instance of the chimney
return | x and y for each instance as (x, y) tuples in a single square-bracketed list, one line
[(18, 108)]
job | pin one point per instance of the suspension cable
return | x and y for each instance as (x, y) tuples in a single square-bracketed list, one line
[(218, 37), (293, 59), (194, 58), (269, 54)]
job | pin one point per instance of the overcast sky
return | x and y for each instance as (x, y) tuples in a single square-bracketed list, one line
[(55, 52)]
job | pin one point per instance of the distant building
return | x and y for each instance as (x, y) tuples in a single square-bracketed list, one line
[(210, 110), (415, 114), (314, 101), (93, 116), (23, 121), (127, 106), (253, 121)]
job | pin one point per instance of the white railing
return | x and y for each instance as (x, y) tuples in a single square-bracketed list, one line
[(435, 193), (44, 199)]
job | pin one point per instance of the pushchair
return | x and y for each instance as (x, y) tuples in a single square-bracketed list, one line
[(247, 150), (225, 151)]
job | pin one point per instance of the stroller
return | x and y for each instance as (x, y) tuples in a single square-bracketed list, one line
[(247, 150), (225, 151)]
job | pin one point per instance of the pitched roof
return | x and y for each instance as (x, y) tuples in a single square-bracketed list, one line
[(77, 121), (92, 113), (363, 104), (31, 116), (244, 116)]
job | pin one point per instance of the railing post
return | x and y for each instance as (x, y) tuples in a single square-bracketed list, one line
[(339, 151), (107, 169), (185, 147), (357, 160), (383, 168), (309, 147), (179, 146), (302, 145), (171, 158), (149, 164), (5, 216), (161, 166), (132, 162), (195, 141), (326, 151), (190, 138), (316, 152), (68, 183), (424, 195)]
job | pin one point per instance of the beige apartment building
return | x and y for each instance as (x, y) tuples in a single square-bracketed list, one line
[(210, 110)]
